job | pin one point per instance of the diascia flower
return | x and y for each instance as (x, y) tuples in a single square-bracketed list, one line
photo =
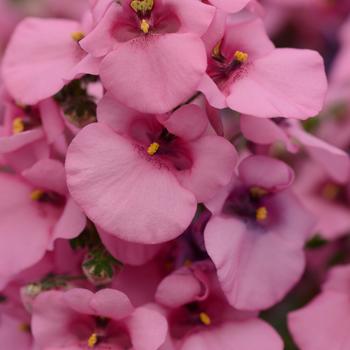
[(43, 54), (106, 320), (244, 66), (37, 211), (322, 323), (154, 57), (140, 176), (200, 317), (256, 222)]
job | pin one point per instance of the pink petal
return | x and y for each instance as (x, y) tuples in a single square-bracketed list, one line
[(252, 334), (51, 119), (127, 252), (268, 173), (265, 132), (322, 324), (25, 228), (294, 92), (165, 69), (52, 53), (123, 183), (111, 303), (214, 159), (47, 174), (245, 260), (334, 160), (70, 224), (12, 143), (188, 122), (147, 329), (229, 5), (180, 288)]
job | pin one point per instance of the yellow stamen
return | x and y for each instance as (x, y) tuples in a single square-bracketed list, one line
[(92, 341), (330, 191), (24, 327), (217, 50), (205, 318), (258, 192), (77, 36), (36, 195), (144, 26), (142, 5), (17, 125), (241, 56), (153, 148), (261, 214)]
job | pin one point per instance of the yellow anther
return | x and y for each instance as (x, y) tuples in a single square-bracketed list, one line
[(257, 192), (153, 148), (144, 26), (217, 50), (24, 327), (330, 191), (205, 318), (36, 195), (92, 341), (17, 125), (77, 36), (241, 56), (142, 5), (261, 214)]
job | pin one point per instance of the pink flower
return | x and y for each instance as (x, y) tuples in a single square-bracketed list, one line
[(244, 66), (25, 125), (256, 235), (327, 198), (154, 57), (201, 319), (37, 211), (265, 131), (42, 55), (80, 319), (322, 324), (139, 177)]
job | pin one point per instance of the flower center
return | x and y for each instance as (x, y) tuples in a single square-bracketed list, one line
[(51, 197), (92, 341), (261, 214), (144, 26), (77, 36), (205, 318), (18, 125), (142, 6), (153, 148)]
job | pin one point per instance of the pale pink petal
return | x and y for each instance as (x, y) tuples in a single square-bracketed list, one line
[(111, 303), (124, 183), (12, 143), (127, 252), (70, 224), (47, 174), (287, 82), (245, 335), (147, 328), (265, 132), (24, 229), (230, 6), (214, 159), (157, 66), (268, 173), (212, 93), (334, 160), (52, 53), (322, 324), (245, 259), (188, 122)]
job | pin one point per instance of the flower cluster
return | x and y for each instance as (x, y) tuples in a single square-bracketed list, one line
[(164, 178)]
